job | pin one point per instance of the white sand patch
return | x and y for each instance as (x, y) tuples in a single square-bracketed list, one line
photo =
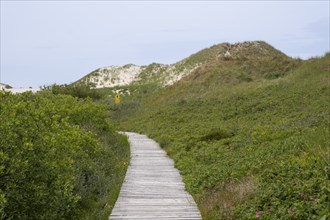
[(121, 92), (21, 90), (115, 76), (163, 74), (4, 86), (175, 75)]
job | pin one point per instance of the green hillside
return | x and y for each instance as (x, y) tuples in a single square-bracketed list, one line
[(248, 129), (160, 75)]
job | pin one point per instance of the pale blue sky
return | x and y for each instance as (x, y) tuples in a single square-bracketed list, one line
[(45, 42)]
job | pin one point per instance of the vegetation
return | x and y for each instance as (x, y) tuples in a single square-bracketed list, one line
[(79, 91), (60, 158), (248, 128), (250, 136)]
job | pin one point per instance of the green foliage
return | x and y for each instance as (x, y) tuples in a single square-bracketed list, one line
[(60, 158), (75, 90), (248, 50), (217, 134), (246, 148)]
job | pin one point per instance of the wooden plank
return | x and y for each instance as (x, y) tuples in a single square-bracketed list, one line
[(153, 188)]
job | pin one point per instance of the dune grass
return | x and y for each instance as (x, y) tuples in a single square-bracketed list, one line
[(245, 148)]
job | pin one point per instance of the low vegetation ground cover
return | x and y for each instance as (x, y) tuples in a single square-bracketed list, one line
[(246, 149)]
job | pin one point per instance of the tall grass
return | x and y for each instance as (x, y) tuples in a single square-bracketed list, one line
[(245, 148)]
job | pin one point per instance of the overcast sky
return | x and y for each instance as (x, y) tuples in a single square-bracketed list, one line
[(46, 42)]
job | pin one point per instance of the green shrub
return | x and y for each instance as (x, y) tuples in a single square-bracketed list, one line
[(217, 134), (80, 91), (58, 157)]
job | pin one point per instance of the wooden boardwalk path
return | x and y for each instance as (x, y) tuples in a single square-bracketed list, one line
[(153, 188)]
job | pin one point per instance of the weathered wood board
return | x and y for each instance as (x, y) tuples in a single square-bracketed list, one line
[(153, 188)]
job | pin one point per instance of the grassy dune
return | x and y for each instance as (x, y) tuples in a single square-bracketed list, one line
[(250, 136)]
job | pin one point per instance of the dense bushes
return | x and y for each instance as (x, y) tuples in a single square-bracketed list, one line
[(80, 91), (60, 157)]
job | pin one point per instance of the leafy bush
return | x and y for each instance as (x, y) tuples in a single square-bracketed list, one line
[(217, 134), (60, 157), (80, 91)]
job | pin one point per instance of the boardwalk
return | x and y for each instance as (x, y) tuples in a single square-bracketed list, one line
[(153, 188)]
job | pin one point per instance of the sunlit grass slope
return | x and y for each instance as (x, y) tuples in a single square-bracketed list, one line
[(250, 135)]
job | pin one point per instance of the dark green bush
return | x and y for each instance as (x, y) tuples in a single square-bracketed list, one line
[(217, 134), (59, 156), (80, 91)]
